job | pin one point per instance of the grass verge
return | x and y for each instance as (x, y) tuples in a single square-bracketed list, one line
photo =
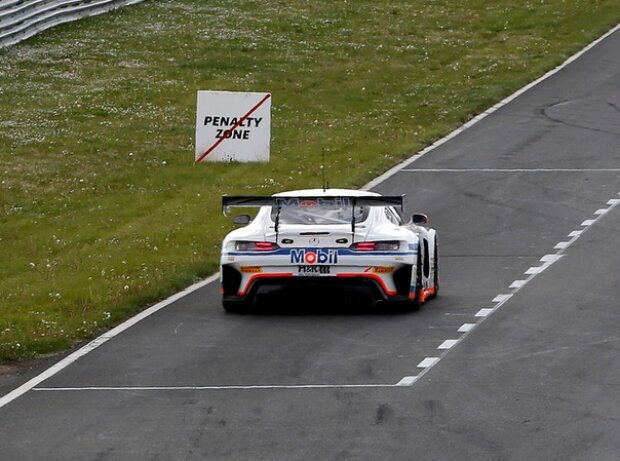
[(102, 209)]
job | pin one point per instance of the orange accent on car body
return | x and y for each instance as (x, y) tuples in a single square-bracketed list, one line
[(425, 293), (251, 269), (383, 269)]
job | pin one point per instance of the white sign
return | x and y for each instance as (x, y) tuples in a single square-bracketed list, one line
[(233, 126)]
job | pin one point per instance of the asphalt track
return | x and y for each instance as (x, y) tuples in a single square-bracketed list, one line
[(526, 203)]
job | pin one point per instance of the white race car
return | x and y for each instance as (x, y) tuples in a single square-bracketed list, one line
[(334, 237)]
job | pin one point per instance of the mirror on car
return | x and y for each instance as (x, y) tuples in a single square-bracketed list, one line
[(242, 219), (419, 219)]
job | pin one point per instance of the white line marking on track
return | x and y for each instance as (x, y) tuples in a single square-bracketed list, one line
[(602, 211), (613, 201), (575, 233), (407, 381), (448, 344), (501, 298), (535, 270), (588, 222), (94, 344), (550, 259), (428, 362), (517, 284), (561, 245), (216, 388), (483, 312), (466, 327)]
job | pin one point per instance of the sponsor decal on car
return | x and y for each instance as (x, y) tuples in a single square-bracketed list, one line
[(318, 256), (382, 269), (251, 269)]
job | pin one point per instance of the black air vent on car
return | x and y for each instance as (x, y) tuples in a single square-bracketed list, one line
[(402, 280), (231, 279)]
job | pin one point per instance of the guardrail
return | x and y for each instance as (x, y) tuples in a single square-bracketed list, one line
[(21, 19)]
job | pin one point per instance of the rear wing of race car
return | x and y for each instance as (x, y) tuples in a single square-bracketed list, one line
[(299, 201), (302, 201)]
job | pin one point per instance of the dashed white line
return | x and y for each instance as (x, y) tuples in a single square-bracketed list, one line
[(517, 284), (428, 362), (501, 298), (588, 222), (535, 270), (550, 259), (466, 327), (407, 381), (602, 211), (448, 344)]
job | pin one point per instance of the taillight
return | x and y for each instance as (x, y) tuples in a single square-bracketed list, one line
[(255, 246), (364, 246), (375, 246)]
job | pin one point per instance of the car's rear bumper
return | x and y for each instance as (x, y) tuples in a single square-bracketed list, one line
[(386, 282)]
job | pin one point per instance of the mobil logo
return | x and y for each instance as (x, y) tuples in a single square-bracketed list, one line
[(318, 256)]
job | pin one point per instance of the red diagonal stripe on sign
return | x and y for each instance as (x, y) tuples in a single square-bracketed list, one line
[(235, 126)]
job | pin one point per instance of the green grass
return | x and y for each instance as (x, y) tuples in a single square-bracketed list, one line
[(102, 209)]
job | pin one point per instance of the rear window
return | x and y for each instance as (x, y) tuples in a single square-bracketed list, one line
[(310, 212)]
